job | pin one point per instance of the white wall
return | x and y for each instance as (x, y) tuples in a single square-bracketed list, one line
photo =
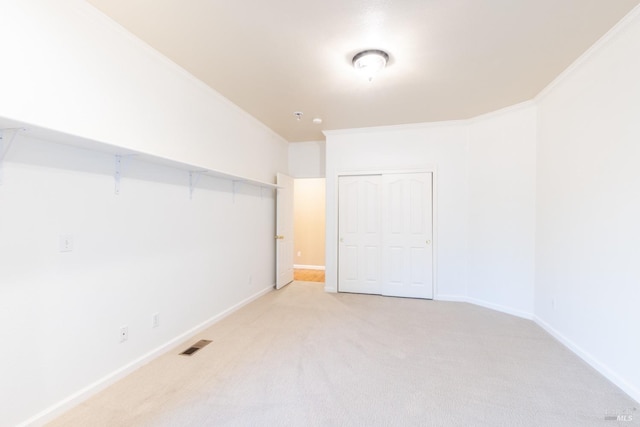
[(152, 250), (484, 199), (307, 159), (538, 205), (502, 175), (148, 250), (588, 210), (443, 146), (68, 68)]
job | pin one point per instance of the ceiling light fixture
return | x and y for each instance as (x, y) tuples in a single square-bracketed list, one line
[(370, 62), (317, 120)]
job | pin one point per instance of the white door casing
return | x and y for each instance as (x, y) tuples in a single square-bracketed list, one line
[(284, 230)]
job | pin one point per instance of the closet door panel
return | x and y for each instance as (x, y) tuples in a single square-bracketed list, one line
[(359, 229), (407, 220)]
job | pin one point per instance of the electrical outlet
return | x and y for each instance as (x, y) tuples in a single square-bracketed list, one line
[(250, 279), (299, 253), (66, 243), (155, 321), (553, 303), (124, 333)]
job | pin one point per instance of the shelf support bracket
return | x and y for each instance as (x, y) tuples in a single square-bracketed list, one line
[(117, 174), (235, 189), (118, 171), (194, 178), (6, 139)]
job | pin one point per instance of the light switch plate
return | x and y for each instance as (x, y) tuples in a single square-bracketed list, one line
[(66, 243)]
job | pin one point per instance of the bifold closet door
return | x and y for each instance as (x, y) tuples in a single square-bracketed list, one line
[(407, 221), (385, 225), (359, 229)]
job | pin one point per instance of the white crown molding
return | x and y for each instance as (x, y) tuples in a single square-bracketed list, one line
[(394, 128), (503, 111), (589, 53), (427, 125)]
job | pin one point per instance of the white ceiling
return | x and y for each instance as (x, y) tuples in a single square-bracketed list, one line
[(450, 59)]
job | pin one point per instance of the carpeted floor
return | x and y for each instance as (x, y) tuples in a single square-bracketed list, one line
[(302, 357)]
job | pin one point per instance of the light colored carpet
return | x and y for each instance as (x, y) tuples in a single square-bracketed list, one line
[(302, 357)]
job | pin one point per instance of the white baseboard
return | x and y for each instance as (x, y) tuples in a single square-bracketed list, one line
[(309, 267), (603, 369), (450, 298), (56, 410), (501, 308), (80, 396), (485, 304)]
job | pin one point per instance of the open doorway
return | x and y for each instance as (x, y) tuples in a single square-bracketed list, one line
[(309, 229)]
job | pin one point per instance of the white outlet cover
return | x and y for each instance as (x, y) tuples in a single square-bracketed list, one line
[(124, 333)]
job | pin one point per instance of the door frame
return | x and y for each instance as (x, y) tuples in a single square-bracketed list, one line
[(284, 230), (334, 239)]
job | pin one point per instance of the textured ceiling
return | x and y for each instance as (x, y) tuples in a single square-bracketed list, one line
[(450, 59)]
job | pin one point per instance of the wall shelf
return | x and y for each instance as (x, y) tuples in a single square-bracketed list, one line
[(10, 128), (7, 136)]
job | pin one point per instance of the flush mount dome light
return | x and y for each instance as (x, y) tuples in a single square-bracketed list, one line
[(369, 62)]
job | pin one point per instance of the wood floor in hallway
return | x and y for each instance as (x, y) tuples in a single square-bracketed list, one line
[(306, 275)]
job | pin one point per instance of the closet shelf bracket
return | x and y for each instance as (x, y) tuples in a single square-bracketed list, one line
[(194, 177), (236, 183), (119, 169), (6, 139)]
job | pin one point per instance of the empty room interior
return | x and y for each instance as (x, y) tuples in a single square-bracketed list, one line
[(461, 178)]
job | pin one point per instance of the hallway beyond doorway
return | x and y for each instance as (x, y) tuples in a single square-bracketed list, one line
[(306, 275)]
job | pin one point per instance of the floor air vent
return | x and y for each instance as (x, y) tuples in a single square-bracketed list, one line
[(197, 346)]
